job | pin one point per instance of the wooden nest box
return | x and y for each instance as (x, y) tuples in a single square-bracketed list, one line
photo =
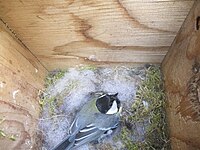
[(39, 36)]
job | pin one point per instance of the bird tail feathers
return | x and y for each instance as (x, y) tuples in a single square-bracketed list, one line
[(65, 144)]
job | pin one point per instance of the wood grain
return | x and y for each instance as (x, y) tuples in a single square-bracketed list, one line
[(21, 77), (114, 31), (177, 70)]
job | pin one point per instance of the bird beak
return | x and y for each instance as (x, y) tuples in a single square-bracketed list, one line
[(115, 94), (120, 110)]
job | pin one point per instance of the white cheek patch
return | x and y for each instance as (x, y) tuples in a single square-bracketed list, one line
[(113, 109)]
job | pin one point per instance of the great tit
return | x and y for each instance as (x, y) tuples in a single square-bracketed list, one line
[(94, 120)]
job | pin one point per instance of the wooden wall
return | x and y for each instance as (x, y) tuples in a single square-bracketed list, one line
[(21, 76), (181, 69), (62, 33)]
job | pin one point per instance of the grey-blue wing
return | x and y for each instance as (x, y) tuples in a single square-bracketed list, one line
[(85, 129), (65, 144), (83, 136), (96, 129), (106, 122), (87, 135)]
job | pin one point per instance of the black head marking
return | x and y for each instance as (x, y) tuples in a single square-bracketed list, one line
[(115, 98), (104, 103)]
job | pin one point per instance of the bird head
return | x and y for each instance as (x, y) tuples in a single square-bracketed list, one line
[(108, 103)]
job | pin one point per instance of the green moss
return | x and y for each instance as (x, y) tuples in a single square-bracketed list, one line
[(2, 133), (52, 103), (87, 67), (12, 137), (104, 146), (2, 120), (149, 108), (5, 135), (53, 76)]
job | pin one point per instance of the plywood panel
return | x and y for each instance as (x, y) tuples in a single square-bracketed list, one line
[(114, 31), (181, 69), (21, 77)]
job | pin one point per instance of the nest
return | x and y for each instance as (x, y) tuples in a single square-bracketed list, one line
[(190, 103)]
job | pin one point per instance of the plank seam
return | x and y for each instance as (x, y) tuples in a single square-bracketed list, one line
[(22, 43)]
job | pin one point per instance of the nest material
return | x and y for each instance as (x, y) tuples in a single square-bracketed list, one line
[(190, 103), (146, 118)]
